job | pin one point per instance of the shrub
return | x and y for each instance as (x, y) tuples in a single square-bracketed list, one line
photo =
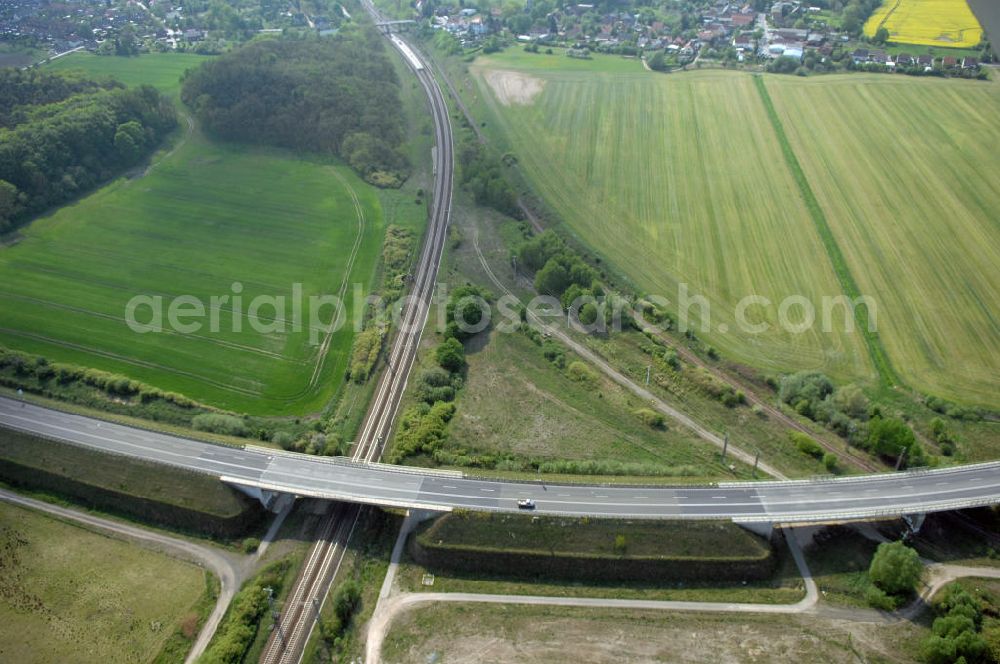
[(830, 461), (422, 430), (283, 439), (219, 423), (250, 545), (367, 345), (580, 372), (650, 418), (891, 438), (805, 444), (805, 387), (877, 599), (895, 568), (451, 355)]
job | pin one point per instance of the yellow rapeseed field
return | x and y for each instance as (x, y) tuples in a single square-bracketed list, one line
[(928, 22)]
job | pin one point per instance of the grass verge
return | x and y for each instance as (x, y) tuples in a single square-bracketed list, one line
[(133, 488), (69, 594)]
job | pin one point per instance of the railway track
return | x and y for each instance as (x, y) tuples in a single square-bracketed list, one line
[(294, 627)]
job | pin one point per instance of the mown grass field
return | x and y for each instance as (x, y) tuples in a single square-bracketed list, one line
[(902, 170), (947, 23), (206, 216), (678, 179), (72, 595)]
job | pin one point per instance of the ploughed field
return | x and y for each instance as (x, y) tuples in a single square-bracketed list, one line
[(206, 216), (681, 179)]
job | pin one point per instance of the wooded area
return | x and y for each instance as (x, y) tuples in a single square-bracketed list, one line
[(337, 95), (62, 135)]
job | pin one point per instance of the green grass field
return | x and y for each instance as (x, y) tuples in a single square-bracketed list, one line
[(902, 170), (678, 179), (206, 216), (681, 179), (69, 594), (161, 70)]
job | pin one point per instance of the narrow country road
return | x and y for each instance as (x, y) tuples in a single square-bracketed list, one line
[(228, 574)]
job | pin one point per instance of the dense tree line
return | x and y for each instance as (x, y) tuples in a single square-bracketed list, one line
[(337, 95), (62, 135), (482, 175)]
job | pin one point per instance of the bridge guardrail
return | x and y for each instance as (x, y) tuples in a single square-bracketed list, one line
[(347, 461)]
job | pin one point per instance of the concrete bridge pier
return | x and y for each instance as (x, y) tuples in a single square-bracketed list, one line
[(915, 521), (763, 528), (269, 499)]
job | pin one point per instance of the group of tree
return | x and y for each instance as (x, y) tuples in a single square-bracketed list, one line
[(895, 571), (482, 174), (966, 628), (239, 627), (62, 135), (849, 413), (562, 273), (334, 95)]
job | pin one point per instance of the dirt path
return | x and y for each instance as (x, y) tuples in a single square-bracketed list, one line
[(391, 607), (625, 381), (359, 212), (229, 574)]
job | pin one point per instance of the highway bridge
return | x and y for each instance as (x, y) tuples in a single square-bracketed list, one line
[(794, 501)]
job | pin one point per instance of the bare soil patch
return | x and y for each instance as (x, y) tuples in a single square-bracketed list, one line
[(511, 87)]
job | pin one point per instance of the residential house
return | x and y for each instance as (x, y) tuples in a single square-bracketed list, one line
[(879, 57)]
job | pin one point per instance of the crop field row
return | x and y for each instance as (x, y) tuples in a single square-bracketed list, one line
[(916, 218), (678, 180), (206, 217), (681, 179), (947, 23)]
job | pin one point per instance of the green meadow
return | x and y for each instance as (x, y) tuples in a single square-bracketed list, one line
[(204, 217), (74, 595), (681, 179), (161, 70)]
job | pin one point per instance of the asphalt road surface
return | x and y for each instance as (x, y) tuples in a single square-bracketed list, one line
[(795, 501)]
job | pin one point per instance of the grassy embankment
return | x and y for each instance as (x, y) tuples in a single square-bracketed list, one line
[(599, 558), (70, 594), (165, 496)]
